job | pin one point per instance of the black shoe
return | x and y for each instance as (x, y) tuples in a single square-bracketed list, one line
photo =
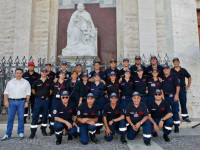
[(187, 120), (95, 140), (76, 135), (32, 136), (147, 143), (70, 137), (44, 133), (155, 134), (176, 129), (166, 138), (51, 133), (58, 141), (123, 139), (97, 132)]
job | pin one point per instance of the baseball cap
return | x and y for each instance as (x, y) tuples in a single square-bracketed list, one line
[(137, 57), (139, 69), (158, 91), (135, 93), (155, 69), (113, 60), (90, 95), (113, 95), (43, 69), (78, 64), (112, 73), (165, 66), (48, 63), (63, 93), (63, 63), (125, 59), (85, 74), (127, 70), (31, 63), (62, 72), (176, 58), (153, 56)]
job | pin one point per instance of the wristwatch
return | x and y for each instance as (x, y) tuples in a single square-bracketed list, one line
[(141, 122), (113, 120), (162, 119), (28, 102)]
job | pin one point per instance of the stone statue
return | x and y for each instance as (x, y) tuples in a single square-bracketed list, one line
[(81, 34)]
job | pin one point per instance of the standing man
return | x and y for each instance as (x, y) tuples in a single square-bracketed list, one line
[(171, 88), (42, 89), (112, 68), (154, 64), (182, 73), (50, 73), (31, 76), (63, 68), (16, 98), (160, 115), (79, 70), (88, 114), (97, 69), (137, 116), (125, 67), (113, 118), (138, 63)]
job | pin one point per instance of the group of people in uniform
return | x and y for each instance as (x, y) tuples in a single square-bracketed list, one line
[(79, 104)]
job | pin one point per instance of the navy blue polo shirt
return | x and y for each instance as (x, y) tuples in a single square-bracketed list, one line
[(126, 87), (31, 78), (101, 74), (153, 85), (136, 114), (64, 112), (56, 86), (42, 88), (170, 83), (51, 75), (111, 113), (182, 74), (80, 77), (133, 70), (121, 72), (68, 74), (140, 85), (159, 111), (109, 70), (85, 112), (112, 87), (98, 90), (86, 89), (149, 70)]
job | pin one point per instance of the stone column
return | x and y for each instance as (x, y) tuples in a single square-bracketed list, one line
[(183, 40), (147, 27)]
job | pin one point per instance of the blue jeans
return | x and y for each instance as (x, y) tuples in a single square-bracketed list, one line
[(15, 106), (183, 102)]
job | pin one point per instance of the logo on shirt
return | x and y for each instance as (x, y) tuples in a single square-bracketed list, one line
[(116, 112), (85, 114), (78, 112), (47, 84), (39, 85), (170, 79), (157, 83), (92, 113), (141, 113), (51, 77), (144, 80), (117, 84), (54, 112), (69, 111), (162, 109), (34, 77)]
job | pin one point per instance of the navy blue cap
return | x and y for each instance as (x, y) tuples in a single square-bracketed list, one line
[(85, 74), (113, 95), (113, 60), (90, 95), (62, 72), (48, 63), (112, 73), (63, 63), (158, 91), (155, 69), (139, 69), (135, 93), (78, 64), (165, 66), (125, 59), (176, 58), (137, 57), (43, 69), (63, 93), (127, 70), (153, 56)]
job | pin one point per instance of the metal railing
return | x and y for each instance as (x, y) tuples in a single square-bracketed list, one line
[(8, 66)]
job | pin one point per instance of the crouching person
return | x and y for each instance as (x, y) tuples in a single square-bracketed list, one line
[(113, 118), (137, 116), (88, 114), (160, 115), (65, 118)]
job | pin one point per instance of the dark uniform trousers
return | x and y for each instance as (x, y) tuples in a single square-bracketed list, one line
[(41, 105), (53, 104), (101, 103), (146, 126), (125, 101), (32, 102), (167, 127), (59, 129), (117, 126), (150, 98), (183, 102), (175, 109), (144, 100), (84, 129)]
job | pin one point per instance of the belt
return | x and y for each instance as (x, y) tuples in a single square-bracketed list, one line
[(43, 97), (17, 99)]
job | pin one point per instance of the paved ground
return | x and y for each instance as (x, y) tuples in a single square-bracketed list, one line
[(187, 139)]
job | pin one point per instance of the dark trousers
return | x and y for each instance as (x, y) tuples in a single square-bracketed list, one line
[(167, 127), (183, 102), (32, 102), (40, 106), (125, 102), (117, 126)]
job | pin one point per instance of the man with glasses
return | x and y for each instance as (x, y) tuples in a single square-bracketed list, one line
[(16, 97), (160, 115), (65, 117), (42, 89)]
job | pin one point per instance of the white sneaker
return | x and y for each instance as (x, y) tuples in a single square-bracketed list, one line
[(5, 137), (21, 135)]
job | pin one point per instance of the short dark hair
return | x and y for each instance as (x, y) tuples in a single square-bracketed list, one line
[(19, 69)]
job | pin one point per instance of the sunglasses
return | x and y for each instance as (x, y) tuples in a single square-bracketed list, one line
[(65, 97), (157, 94)]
